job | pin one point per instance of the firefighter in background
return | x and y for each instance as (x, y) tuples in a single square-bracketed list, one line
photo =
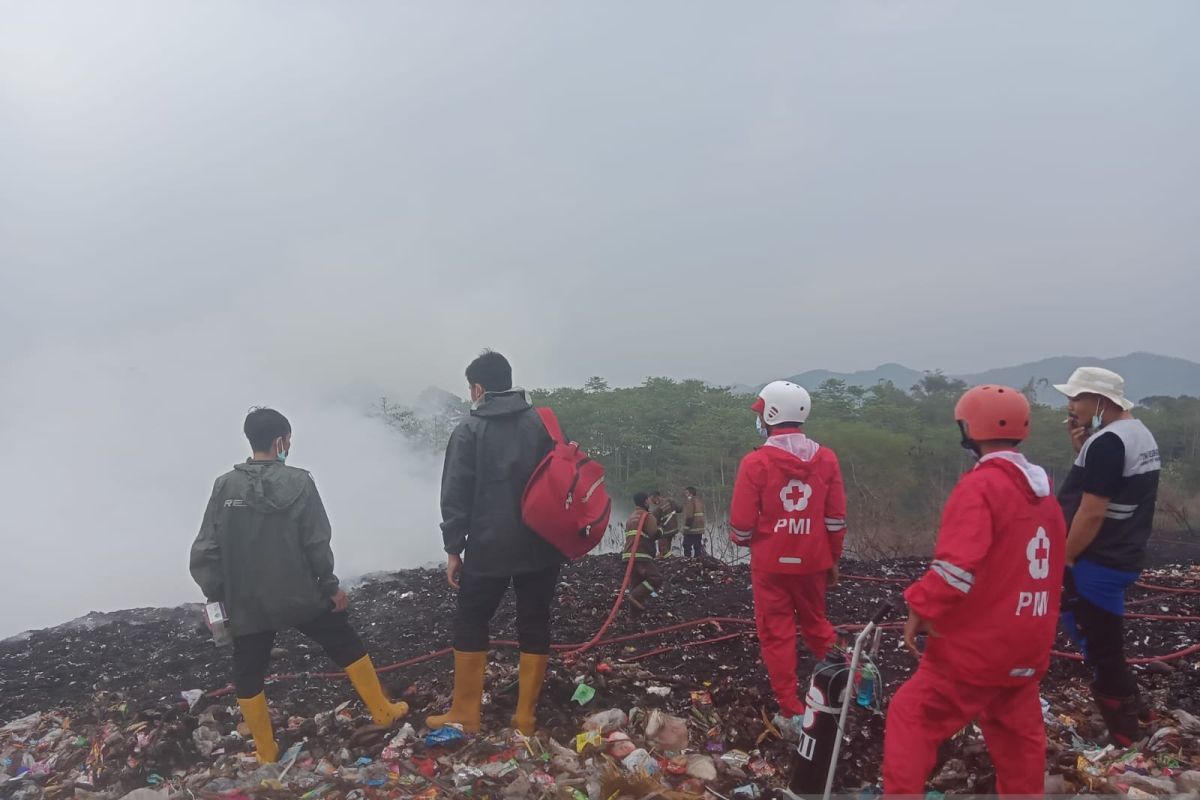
[(667, 513), (789, 508), (693, 524), (990, 604), (641, 547)]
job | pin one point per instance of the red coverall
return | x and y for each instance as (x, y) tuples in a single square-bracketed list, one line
[(789, 508), (992, 595)]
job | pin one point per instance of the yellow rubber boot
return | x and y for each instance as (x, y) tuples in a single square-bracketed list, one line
[(532, 676), (468, 693), (366, 682), (258, 720)]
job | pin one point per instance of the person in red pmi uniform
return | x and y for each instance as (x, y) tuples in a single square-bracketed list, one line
[(989, 603), (789, 508)]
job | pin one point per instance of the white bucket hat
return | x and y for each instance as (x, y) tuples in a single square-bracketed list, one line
[(1096, 380)]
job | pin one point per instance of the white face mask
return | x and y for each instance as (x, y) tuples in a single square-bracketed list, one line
[(761, 428), (1097, 418)]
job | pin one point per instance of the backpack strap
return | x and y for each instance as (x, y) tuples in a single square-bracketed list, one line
[(551, 423)]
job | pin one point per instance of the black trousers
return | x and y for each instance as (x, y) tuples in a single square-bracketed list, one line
[(480, 596), (252, 653), (693, 545), (1102, 639)]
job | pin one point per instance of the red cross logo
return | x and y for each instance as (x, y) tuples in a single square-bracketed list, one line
[(1038, 553), (795, 495)]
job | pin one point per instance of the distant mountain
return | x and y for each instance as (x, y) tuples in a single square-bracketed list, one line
[(1146, 375)]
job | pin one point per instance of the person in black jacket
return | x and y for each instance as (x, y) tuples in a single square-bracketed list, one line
[(489, 460), (1108, 499)]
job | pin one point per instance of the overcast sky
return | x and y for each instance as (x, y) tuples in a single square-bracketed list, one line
[(213, 204)]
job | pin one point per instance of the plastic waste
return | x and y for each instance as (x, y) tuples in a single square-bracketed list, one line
[(640, 760), (206, 739), (667, 732), (543, 779), (583, 694), (520, 787), (701, 767), (606, 721), (466, 776), (446, 735), (586, 738), (620, 745)]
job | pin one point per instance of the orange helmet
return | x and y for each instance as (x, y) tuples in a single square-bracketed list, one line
[(991, 412)]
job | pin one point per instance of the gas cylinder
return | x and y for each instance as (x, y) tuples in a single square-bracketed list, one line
[(819, 729)]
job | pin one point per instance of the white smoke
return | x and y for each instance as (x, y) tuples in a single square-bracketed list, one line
[(110, 447)]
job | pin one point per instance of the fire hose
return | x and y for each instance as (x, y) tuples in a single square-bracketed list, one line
[(571, 651), (1170, 589), (1140, 585), (620, 598)]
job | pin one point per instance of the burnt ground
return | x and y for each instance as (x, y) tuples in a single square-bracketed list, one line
[(133, 665)]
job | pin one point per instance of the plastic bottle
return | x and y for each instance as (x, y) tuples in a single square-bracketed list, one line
[(866, 685), (216, 622)]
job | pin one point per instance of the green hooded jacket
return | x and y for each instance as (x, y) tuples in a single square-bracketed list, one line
[(263, 548)]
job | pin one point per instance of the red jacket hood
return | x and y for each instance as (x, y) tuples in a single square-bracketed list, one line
[(792, 447), (1029, 476)]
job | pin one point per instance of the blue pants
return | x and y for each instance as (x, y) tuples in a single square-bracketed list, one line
[(1093, 614)]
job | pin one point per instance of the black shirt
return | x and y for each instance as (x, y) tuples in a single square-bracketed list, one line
[(1120, 462)]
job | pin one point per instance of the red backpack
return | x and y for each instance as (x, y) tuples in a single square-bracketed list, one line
[(565, 501)]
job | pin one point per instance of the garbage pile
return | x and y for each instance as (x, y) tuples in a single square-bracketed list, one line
[(134, 704)]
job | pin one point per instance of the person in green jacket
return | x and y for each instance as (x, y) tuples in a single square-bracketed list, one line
[(263, 551)]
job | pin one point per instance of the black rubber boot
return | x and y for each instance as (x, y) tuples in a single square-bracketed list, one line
[(1121, 716), (1145, 713)]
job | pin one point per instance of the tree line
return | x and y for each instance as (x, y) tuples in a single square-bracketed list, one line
[(899, 450)]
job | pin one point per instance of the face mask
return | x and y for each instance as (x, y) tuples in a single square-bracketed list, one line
[(1097, 418), (762, 429), (282, 455)]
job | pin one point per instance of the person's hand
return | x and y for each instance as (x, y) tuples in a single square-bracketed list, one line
[(916, 625), (453, 569), (834, 575), (1078, 433), (340, 601)]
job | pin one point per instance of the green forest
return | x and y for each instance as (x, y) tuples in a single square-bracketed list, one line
[(899, 449)]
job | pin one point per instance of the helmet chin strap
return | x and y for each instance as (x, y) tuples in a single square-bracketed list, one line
[(967, 442)]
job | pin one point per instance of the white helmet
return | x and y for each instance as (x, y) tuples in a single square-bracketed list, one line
[(783, 401)]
